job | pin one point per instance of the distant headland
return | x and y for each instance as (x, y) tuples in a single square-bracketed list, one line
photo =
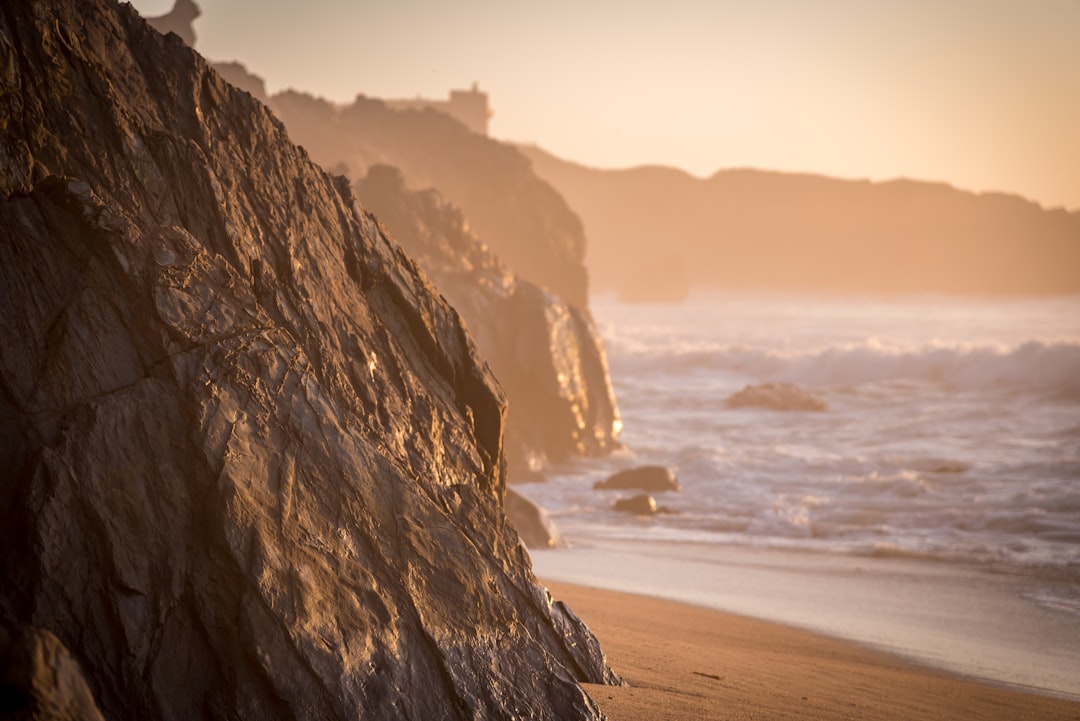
[(469, 107)]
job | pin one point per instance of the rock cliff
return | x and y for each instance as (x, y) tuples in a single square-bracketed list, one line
[(545, 352), (519, 216), (527, 305), (253, 463)]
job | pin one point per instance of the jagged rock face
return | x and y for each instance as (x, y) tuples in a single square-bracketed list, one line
[(252, 462), (522, 218), (545, 352)]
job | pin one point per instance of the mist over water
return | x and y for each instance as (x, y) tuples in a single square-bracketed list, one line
[(952, 430)]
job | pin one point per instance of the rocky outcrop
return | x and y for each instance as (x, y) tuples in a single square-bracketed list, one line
[(40, 680), (640, 505), (777, 397), (519, 216), (798, 232), (253, 463), (546, 353), (522, 290), (532, 522), (643, 478)]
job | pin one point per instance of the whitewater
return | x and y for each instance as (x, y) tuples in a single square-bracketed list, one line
[(950, 446)]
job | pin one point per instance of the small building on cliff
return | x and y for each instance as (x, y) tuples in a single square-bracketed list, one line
[(469, 107)]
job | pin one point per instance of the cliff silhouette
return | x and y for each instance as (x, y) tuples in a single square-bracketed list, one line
[(179, 21), (253, 460), (524, 220), (769, 230)]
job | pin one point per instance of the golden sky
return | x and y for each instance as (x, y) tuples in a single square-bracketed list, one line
[(982, 94)]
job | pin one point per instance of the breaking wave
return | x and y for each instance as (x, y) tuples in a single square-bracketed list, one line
[(1051, 366)]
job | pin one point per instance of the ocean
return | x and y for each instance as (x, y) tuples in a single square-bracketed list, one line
[(951, 437)]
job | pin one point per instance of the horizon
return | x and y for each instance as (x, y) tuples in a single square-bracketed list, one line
[(989, 103)]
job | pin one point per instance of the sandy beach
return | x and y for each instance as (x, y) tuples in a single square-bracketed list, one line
[(1014, 629), (681, 661)]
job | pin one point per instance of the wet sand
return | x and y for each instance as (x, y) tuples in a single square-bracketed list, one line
[(1007, 628), (688, 662)]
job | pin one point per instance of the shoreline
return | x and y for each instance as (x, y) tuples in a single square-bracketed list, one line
[(688, 662), (984, 625)]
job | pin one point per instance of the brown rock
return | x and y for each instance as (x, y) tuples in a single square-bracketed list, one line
[(642, 478), (642, 505), (532, 522), (777, 397), (253, 462), (40, 680)]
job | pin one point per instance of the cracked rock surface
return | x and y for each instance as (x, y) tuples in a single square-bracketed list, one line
[(253, 463)]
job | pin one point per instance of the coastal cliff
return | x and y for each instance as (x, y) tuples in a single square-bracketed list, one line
[(545, 352), (799, 232), (519, 216), (527, 304), (254, 463), (526, 301)]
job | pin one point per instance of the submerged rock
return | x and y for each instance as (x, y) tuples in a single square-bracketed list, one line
[(778, 397), (642, 505), (643, 478), (253, 462)]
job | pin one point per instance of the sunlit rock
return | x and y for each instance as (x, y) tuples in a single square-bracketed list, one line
[(40, 680), (253, 462)]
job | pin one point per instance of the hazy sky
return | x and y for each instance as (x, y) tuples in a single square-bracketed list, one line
[(983, 94)]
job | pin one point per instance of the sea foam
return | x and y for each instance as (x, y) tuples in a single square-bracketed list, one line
[(1052, 366), (952, 429)]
